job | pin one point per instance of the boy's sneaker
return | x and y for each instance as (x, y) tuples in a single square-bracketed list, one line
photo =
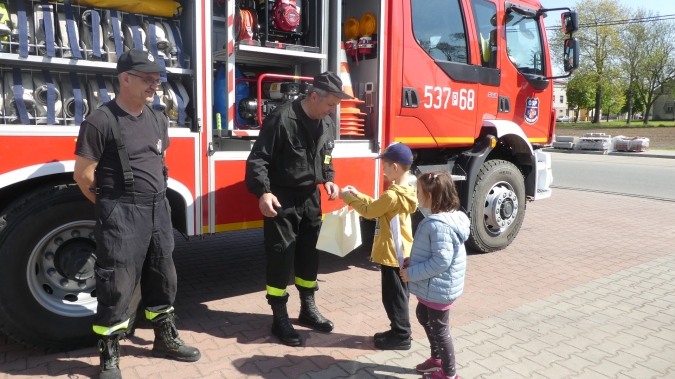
[(438, 375), (380, 335), (430, 365), (391, 342)]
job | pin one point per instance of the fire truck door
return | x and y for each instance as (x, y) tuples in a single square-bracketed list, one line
[(436, 65), (523, 69), (486, 46)]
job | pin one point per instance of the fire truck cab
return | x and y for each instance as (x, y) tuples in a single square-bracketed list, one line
[(465, 83)]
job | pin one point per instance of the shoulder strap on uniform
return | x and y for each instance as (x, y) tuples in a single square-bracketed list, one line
[(159, 121), (121, 149)]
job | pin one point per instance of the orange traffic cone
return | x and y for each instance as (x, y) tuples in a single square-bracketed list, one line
[(351, 124), (346, 78)]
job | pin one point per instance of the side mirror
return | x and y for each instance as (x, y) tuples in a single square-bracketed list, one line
[(571, 55), (570, 22)]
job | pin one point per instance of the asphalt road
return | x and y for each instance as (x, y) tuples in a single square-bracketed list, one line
[(638, 176)]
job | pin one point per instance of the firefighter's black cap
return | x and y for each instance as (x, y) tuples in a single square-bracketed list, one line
[(330, 83), (138, 60)]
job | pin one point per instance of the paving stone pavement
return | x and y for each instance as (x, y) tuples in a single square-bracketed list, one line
[(587, 290)]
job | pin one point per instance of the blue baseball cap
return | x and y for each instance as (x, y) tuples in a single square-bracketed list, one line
[(397, 152)]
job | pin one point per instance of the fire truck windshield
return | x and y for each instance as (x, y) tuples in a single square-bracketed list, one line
[(524, 45)]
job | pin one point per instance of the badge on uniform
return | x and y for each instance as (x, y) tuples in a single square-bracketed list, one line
[(327, 159)]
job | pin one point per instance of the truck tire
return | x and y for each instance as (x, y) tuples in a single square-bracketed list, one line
[(498, 206), (47, 285)]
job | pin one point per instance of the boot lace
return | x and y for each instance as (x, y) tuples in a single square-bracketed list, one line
[(170, 334), (281, 315), (110, 356), (311, 308)]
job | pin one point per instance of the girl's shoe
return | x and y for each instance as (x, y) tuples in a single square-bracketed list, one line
[(430, 365), (438, 375)]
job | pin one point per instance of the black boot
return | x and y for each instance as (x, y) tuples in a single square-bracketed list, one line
[(393, 342), (309, 313), (109, 349), (281, 324), (169, 345), (381, 335)]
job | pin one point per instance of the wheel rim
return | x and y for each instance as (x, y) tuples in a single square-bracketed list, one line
[(60, 270), (501, 208)]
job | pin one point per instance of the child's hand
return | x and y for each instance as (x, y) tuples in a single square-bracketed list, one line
[(353, 190), (404, 274), (348, 189), (406, 263), (344, 192)]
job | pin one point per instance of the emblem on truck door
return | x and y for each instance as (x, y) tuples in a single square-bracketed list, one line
[(532, 110)]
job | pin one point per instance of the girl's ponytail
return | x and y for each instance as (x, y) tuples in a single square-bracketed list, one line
[(440, 186)]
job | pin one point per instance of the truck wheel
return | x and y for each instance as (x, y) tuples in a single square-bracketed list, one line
[(498, 206), (47, 285)]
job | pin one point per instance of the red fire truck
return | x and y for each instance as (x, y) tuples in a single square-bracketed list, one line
[(465, 83)]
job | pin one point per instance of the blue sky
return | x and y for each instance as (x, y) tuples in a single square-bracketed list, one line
[(662, 6)]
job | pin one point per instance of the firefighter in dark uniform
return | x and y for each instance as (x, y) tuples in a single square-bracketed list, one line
[(119, 166), (290, 158)]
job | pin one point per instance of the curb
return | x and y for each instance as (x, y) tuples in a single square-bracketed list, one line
[(618, 153)]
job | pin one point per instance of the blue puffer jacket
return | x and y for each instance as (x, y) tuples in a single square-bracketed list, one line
[(438, 258)]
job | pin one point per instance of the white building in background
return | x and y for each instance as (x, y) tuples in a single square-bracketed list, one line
[(664, 105), (560, 98)]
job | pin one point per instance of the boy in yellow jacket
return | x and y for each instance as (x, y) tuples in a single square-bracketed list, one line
[(392, 211)]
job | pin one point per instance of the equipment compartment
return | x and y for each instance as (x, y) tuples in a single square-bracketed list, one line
[(75, 49), (263, 64), (359, 68)]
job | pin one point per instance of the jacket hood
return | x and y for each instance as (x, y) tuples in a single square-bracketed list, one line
[(457, 221), (407, 195)]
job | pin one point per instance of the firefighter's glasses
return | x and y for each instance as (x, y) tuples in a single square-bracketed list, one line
[(148, 81)]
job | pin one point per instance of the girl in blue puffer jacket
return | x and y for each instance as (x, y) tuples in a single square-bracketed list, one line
[(436, 267)]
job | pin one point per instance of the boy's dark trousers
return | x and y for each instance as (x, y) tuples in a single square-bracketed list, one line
[(395, 297)]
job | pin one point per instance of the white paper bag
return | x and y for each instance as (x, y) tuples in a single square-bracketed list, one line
[(395, 227), (340, 232)]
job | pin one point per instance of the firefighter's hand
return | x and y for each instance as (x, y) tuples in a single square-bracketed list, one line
[(332, 190), (404, 274), (267, 203)]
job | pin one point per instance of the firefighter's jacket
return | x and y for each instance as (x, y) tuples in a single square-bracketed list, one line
[(285, 154)]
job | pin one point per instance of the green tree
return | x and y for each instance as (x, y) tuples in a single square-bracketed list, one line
[(580, 92), (632, 57), (612, 94), (657, 68), (634, 102), (599, 42)]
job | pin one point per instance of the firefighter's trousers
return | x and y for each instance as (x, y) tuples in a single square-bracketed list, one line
[(134, 244), (290, 240)]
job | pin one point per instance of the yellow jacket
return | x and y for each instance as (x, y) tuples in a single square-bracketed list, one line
[(397, 200)]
